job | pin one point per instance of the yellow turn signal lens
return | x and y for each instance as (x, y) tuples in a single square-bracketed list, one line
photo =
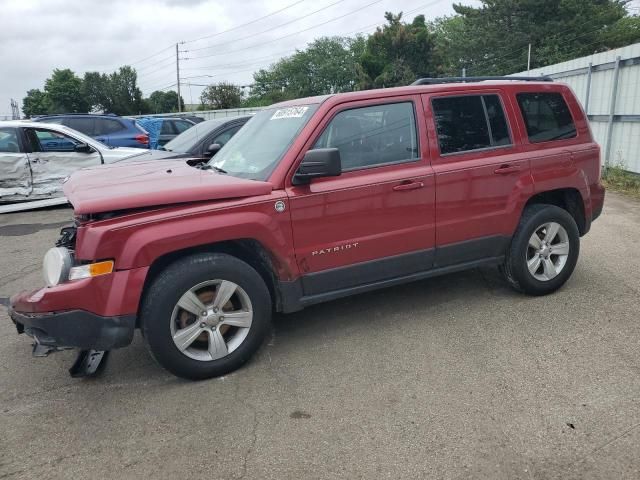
[(91, 270), (100, 268)]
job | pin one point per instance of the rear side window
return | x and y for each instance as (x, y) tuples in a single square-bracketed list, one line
[(85, 125), (106, 126), (167, 128), (181, 125), (471, 122), (371, 136), (546, 116)]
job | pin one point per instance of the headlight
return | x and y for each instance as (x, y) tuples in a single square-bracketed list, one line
[(56, 265)]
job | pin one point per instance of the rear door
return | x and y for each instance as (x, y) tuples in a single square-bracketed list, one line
[(15, 174), (53, 158), (376, 220), (482, 176)]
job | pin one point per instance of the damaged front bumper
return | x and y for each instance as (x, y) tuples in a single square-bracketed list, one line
[(76, 329)]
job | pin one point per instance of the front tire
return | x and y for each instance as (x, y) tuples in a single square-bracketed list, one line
[(205, 315), (544, 250)]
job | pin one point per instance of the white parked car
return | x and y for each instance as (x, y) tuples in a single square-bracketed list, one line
[(35, 158)]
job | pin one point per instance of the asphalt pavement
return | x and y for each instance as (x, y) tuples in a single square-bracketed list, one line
[(455, 377)]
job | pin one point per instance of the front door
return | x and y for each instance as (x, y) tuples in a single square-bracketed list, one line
[(482, 177), (53, 157), (15, 174), (376, 220)]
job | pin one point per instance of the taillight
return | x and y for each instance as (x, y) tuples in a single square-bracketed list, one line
[(143, 138)]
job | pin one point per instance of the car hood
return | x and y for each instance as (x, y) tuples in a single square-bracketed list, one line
[(110, 155), (161, 182), (140, 155)]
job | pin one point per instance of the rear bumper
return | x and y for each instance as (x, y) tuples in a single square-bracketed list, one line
[(76, 328)]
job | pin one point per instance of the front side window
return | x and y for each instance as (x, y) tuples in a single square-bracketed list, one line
[(49, 141), (371, 136), (9, 140), (254, 152), (470, 122), (181, 125), (546, 116)]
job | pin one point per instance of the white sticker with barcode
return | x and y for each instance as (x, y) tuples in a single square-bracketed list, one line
[(291, 112)]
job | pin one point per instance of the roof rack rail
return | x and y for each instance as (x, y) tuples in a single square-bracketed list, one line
[(435, 81)]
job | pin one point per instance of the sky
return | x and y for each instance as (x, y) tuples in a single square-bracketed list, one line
[(96, 35)]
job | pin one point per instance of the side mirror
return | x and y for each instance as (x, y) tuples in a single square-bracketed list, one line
[(82, 148), (213, 148), (322, 162)]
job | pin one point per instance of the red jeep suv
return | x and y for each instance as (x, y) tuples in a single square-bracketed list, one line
[(315, 199)]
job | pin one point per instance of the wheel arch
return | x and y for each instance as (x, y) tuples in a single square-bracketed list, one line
[(569, 199), (248, 250)]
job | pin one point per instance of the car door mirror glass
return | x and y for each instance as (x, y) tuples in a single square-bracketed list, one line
[(213, 148), (321, 162), (82, 148)]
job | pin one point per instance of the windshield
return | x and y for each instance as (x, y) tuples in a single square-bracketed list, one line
[(184, 142), (258, 147)]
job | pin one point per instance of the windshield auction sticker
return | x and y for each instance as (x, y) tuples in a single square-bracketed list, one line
[(291, 112)]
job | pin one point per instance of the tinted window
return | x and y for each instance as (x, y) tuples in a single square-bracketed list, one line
[(497, 121), (546, 116), (9, 140), (166, 128), (49, 141), (81, 124), (181, 125), (57, 120), (225, 136), (106, 126), (470, 123), (372, 135)]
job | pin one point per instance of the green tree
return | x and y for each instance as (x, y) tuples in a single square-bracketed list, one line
[(220, 96), (96, 90), (327, 65), (398, 53), (126, 96), (35, 103), (64, 92), (164, 102), (493, 38)]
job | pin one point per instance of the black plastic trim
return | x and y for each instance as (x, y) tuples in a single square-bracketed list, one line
[(367, 272), (76, 328)]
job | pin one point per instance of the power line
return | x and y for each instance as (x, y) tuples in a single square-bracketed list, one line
[(266, 30), (245, 24), (288, 35)]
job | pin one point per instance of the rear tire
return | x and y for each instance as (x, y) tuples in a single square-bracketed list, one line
[(544, 250), (205, 315)]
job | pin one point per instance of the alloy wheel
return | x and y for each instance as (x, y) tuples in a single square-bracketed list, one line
[(211, 320), (548, 251)]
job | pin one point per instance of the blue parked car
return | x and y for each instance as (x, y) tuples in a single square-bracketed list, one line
[(109, 129)]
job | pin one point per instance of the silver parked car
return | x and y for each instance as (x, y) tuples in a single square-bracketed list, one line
[(35, 158)]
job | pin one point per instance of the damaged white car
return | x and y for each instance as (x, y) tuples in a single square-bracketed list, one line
[(35, 158)]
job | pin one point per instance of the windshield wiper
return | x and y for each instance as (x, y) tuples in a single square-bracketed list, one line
[(206, 166)]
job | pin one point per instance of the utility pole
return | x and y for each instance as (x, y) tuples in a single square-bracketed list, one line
[(178, 76), (464, 72), (529, 60)]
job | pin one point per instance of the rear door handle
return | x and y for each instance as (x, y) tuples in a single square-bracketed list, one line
[(507, 169), (408, 186)]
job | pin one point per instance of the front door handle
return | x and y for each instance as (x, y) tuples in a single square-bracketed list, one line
[(408, 186), (507, 169)]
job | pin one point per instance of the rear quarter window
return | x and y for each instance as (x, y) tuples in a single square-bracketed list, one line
[(85, 125), (106, 126), (546, 116)]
